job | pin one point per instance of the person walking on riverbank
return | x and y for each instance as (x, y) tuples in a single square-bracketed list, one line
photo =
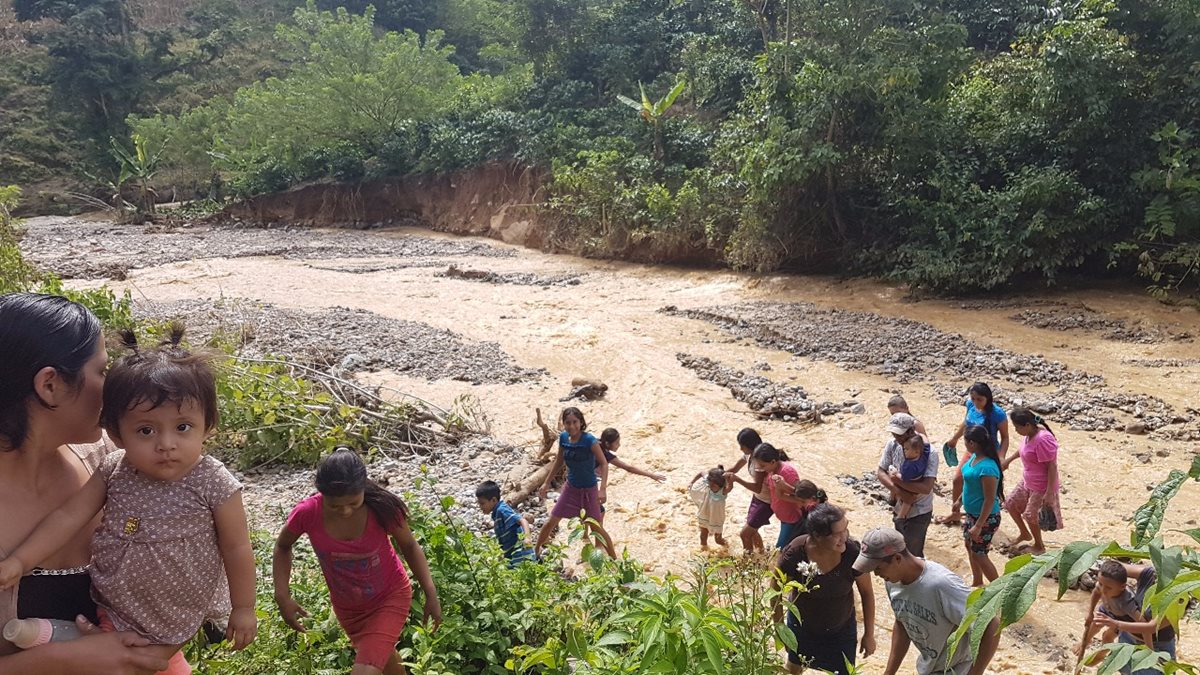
[(760, 511), (929, 602), (1036, 495), (587, 481), (981, 410), (983, 491), (352, 522), (917, 493), (824, 626)]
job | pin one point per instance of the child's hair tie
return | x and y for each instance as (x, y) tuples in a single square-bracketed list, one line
[(128, 340), (1037, 419)]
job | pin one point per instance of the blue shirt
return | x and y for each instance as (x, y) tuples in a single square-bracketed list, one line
[(990, 422), (581, 463), (914, 469), (508, 533), (973, 471)]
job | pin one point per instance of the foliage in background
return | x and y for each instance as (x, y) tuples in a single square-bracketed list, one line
[(952, 146)]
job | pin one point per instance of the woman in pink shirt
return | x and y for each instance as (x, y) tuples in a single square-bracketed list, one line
[(1039, 484), (781, 479)]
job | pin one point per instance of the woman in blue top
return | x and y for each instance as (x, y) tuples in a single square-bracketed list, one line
[(983, 490), (582, 454), (981, 411)]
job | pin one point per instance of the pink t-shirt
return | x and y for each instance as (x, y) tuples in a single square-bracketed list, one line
[(787, 512), (358, 572), (1036, 455)]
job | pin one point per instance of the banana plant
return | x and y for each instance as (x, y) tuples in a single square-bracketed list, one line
[(654, 111), (139, 165)]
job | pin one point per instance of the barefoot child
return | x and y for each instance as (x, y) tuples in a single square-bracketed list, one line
[(587, 481), (781, 480), (610, 443), (512, 530), (348, 522), (708, 491), (760, 511), (173, 533), (916, 461)]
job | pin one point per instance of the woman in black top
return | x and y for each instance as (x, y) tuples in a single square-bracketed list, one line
[(52, 363), (826, 631)]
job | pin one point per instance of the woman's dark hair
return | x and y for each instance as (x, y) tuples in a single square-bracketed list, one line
[(806, 489), (749, 438), (821, 519), (343, 473), (39, 331), (765, 452), (167, 373), (984, 390), (716, 474), (1025, 416), (576, 412), (608, 437), (983, 440)]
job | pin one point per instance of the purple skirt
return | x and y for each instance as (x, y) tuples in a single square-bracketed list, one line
[(759, 514), (573, 500)]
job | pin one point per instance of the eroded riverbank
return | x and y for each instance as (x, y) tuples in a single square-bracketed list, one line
[(835, 341)]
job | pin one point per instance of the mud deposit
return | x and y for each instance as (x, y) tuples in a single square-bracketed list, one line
[(811, 340), (914, 351), (78, 249), (766, 398)]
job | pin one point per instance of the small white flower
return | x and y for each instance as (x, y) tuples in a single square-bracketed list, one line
[(808, 569)]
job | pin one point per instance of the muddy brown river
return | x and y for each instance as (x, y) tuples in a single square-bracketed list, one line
[(609, 327)]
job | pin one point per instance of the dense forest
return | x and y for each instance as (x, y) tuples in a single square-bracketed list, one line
[(954, 145)]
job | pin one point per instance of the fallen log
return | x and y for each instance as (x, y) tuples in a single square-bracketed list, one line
[(533, 481)]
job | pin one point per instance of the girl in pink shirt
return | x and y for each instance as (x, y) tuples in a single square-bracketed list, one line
[(781, 479), (348, 523), (1039, 486)]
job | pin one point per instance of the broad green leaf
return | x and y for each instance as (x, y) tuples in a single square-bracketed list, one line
[(1074, 560), (1148, 518), (1021, 590)]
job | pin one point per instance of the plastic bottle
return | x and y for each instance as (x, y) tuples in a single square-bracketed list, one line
[(26, 633)]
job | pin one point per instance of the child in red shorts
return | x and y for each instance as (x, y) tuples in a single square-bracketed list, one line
[(348, 523)]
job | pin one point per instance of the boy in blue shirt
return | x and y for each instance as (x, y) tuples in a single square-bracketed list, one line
[(512, 529)]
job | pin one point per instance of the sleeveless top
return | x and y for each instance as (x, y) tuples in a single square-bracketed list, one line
[(91, 455)]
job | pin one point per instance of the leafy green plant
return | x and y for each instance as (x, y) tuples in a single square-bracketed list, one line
[(138, 164), (654, 112), (1011, 595)]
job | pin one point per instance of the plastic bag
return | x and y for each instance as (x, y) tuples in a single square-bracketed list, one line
[(1047, 519)]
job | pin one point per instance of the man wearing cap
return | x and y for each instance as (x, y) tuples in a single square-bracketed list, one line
[(920, 492), (929, 602)]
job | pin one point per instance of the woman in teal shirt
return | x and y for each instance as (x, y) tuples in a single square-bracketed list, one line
[(983, 489)]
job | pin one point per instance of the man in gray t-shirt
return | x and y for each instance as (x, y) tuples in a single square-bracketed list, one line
[(916, 524), (929, 602)]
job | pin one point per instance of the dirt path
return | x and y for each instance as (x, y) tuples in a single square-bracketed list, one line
[(608, 326)]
